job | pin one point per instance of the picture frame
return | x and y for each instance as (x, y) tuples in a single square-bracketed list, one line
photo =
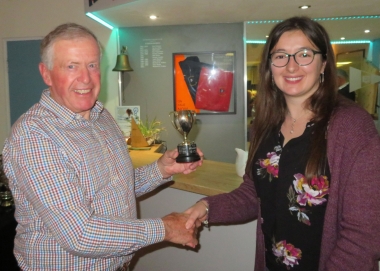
[(205, 82), (124, 115)]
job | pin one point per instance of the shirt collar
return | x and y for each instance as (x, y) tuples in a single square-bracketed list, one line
[(65, 114)]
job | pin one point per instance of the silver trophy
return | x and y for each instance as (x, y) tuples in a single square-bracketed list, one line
[(183, 121)]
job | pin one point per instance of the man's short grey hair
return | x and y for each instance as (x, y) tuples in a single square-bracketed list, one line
[(68, 31), (342, 73)]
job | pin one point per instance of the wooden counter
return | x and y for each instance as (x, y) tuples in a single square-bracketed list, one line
[(211, 178)]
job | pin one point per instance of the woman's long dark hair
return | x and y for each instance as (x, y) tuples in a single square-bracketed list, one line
[(270, 103)]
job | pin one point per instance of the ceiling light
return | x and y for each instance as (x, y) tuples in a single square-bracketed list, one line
[(92, 16), (256, 41), (304, 7), (367, 31), (153, 17), (342, 38), (350, 41)]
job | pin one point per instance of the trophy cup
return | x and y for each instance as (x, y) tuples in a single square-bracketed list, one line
[(183, 121)]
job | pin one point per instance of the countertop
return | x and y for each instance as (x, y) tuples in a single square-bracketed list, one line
[(211, 178)]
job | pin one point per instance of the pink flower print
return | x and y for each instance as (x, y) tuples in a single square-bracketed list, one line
[(312, 194), (305, 193), (287, 253), (271, 163)]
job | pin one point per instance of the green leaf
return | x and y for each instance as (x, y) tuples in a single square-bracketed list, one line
[(151, 128)]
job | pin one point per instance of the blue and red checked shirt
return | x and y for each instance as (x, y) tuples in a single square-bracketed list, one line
[(75, 190)]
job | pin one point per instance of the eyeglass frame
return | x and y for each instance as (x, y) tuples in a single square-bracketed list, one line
[(294, 57)]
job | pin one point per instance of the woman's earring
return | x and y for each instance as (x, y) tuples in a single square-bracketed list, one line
[(322, 78)]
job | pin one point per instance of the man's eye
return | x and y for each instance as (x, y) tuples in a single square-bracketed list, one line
[(71, 66)]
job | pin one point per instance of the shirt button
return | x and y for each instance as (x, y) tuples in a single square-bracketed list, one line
[(77, 116)]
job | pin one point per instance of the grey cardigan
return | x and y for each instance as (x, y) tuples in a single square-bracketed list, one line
[(351, 232)]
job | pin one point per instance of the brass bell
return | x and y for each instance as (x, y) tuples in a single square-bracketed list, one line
[(122, 62)]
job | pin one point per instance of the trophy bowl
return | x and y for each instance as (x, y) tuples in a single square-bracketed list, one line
[(183, 121)]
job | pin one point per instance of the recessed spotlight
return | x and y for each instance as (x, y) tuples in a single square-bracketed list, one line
[(153, 17), (342, 38), (304, 7), (367, 31)]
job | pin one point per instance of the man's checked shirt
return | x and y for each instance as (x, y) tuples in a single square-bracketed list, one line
[(75, 187)]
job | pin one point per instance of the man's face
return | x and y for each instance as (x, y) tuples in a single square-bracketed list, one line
[(75, 78)]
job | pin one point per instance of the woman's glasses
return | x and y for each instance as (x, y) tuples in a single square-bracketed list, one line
[(303, 57)]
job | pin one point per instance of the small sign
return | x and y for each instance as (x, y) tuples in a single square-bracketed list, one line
[(124, 116)]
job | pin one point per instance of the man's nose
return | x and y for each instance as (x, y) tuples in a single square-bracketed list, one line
[(84, 76)]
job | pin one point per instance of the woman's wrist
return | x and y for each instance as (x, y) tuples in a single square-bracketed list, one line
[(205, 222)]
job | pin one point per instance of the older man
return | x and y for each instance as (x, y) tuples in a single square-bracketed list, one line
[(71, 175)]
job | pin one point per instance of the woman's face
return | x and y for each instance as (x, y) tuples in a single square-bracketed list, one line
[(294, 80)]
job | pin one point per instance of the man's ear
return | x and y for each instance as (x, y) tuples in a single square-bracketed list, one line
[(45, 73)]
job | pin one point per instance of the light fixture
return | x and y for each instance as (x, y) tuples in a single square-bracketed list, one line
[(256, 41), (342, 38), (304, 7), (340, 64), (153, 17), (332, 41), (265, 22), (367, 31), (349, 41), (92, 16)]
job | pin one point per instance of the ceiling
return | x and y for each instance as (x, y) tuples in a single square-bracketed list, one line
[(131, 13)]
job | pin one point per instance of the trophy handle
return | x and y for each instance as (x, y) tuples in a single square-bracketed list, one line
[(175, 122)]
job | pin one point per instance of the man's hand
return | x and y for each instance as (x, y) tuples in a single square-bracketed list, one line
[(197, 214), (168, 166), (176, 232)]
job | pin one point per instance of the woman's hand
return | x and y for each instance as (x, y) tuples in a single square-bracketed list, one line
[(197, 213)]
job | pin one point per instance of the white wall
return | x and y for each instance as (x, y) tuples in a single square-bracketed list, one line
[(222, 248), (25, 19)]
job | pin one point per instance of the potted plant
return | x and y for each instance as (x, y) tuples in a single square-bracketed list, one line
[(151, 129)]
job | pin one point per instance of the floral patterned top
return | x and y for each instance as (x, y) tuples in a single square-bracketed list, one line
[(292, 209)]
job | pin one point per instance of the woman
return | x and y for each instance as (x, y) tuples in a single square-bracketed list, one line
[(312, 176)]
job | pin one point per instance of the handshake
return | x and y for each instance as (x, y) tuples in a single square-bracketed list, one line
[(182, 228)]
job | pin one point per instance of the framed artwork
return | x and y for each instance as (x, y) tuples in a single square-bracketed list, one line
[(124, 115), (204, 82)]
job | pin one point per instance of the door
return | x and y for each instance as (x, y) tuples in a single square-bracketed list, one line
[(25, 81)]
